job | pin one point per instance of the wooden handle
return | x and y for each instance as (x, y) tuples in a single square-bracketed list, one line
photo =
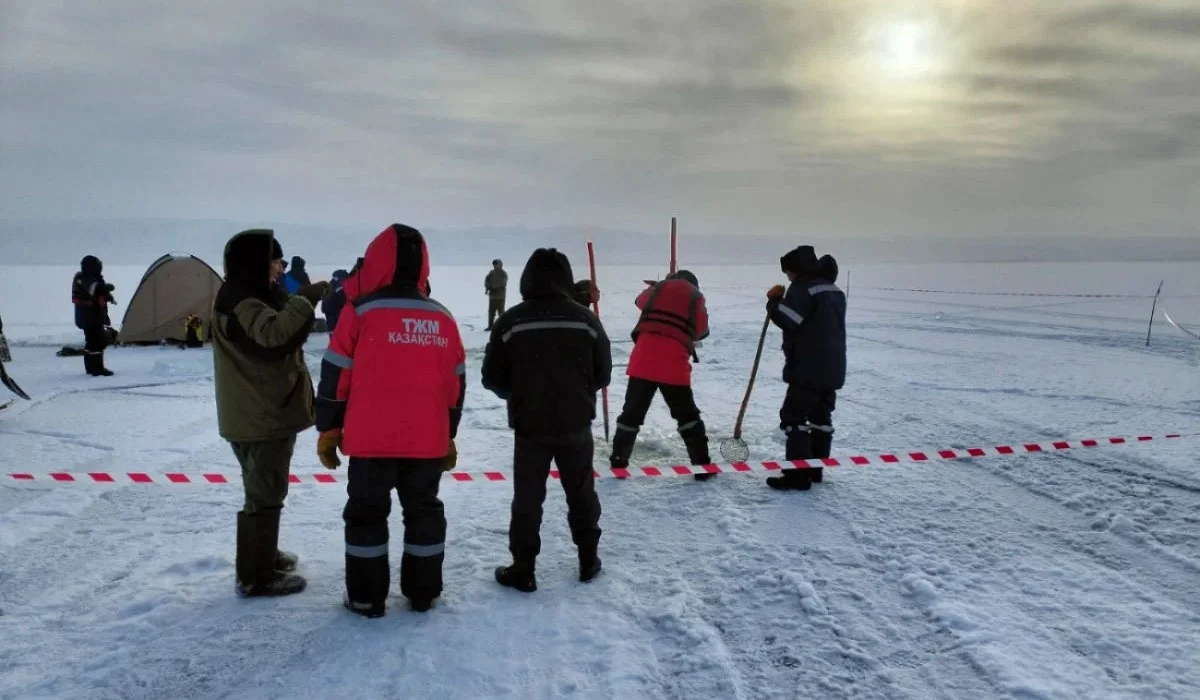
[(737, 429)]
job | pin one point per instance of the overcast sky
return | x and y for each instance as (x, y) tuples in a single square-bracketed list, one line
[(860, 117)]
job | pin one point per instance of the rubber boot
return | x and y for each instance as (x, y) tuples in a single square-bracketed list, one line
[(262, 534), (244, 562), (697, 448), (367, 610), (799, 446), (822, 447), (791, 480), (101, 370), (622, 447), (89, 363), (589, 562), (520, 575)]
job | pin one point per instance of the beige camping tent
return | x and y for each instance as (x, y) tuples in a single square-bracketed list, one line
[(173, 287)]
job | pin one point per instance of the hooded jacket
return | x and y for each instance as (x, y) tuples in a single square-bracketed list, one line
[(394, 376), (548, 355), (674, 318), (263, 388), (296, 276), (812, 316), (91, 294)]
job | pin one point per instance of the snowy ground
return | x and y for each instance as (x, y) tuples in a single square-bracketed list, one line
[(1065, 576)]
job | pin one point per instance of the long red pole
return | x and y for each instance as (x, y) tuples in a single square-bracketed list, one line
[(673, 262), (596, 308)]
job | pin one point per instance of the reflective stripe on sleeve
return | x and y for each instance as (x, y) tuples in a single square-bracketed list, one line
[(338, 359), (791, 313)]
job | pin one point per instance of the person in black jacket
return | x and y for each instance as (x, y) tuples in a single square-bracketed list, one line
[(548, 356), (812, 315), (91, 295), (333, 302)]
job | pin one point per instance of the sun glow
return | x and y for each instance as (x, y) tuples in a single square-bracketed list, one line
[(906, 49)]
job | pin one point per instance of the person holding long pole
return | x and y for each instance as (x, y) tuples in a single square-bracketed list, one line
[(811, 312)]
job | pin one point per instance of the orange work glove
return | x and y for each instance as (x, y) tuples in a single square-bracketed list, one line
[(451, 459), (776, 293), (328, 443)]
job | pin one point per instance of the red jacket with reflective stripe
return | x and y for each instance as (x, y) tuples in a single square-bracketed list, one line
[(674, 318), (393, 377)]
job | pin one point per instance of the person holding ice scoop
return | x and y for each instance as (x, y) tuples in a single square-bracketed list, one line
[(811, 312)]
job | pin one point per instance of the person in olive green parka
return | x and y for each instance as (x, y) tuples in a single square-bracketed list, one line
[(264, 397)]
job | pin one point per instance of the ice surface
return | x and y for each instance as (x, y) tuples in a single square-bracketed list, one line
[(1060, 576)]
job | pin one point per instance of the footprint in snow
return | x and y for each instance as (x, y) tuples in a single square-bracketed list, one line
[(198, 567)]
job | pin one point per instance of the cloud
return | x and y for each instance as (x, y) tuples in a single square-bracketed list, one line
[(760, 115), (1164, 20)]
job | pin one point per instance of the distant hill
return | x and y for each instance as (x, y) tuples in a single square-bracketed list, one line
[(137, 241)]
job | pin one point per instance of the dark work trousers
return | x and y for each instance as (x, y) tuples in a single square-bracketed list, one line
[(265, 468), (531, 467), (495, 309), (371, 482), (807, 419), (95, 340), (638, 397)]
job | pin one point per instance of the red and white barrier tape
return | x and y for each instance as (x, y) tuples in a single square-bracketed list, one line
[(647, 471)]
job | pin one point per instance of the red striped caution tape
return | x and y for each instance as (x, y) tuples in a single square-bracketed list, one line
[(647, 471)]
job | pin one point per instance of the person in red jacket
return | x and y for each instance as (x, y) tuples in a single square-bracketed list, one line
[(390, 397), (674, 318)]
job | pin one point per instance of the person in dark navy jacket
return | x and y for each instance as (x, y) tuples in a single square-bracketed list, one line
[(811, 312)]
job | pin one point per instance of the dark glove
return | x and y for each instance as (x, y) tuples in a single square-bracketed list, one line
[(450, 461), (314, 292)]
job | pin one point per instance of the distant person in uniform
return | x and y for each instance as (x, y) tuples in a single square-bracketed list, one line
[(91, 295), (495, 285), (811, 312)]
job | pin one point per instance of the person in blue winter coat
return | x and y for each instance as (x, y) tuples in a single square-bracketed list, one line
[(296, 276), (332, 304), (811, 312)]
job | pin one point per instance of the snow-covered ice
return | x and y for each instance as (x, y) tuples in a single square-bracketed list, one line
[(1071, 576)]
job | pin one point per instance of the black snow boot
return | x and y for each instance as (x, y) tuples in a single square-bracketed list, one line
[(520, 576), (258, 539), (589, 564), (822, 447), (622, 447), (101, 370), (367, 610), (697, 448), (791, 480)]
